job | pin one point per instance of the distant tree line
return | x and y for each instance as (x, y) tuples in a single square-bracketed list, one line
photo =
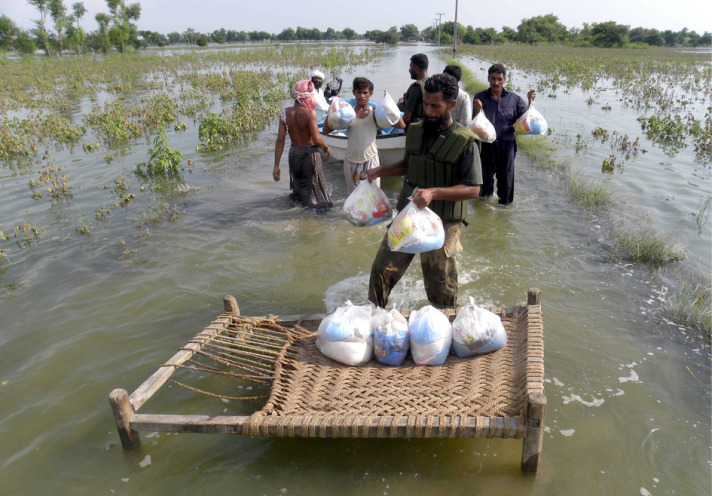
[(58, 28)]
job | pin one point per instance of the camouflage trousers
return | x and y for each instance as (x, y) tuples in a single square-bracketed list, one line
[(439, 270)]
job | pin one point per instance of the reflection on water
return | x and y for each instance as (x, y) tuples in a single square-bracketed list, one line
[(627, 399)]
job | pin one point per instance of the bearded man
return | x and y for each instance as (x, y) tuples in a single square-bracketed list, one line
[(322, 107), (442, 171)]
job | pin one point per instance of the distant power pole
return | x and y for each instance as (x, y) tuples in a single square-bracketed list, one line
[(454, 34), (440, 15)]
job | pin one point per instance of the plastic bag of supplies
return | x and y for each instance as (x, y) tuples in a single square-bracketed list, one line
[(476, 331), (367, 205), (430, 336), (387, 112), (531, 122), (483, 128), (416, 230), (391, 337), (346, 335), (341, 114)]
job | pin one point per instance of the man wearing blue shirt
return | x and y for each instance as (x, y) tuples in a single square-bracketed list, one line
[(502, 108)]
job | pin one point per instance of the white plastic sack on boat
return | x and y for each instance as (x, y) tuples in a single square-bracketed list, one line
[(391, 337), (476, 331), (416, 230), (346, 335), (531, 122), (341, 114), (367, 205), (483, 128), (430, 336), (387, 112)]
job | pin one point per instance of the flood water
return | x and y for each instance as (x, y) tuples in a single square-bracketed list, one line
[(628, 392)]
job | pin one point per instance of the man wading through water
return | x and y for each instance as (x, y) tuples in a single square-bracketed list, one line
[(442, 162), (306, 179)]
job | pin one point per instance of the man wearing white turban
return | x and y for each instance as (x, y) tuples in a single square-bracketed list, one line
[(317, 77)]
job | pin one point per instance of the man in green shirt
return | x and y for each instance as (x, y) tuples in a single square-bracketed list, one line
[(442, 171), (411, 104)]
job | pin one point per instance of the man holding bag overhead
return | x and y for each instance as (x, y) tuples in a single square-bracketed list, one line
[(442, 171), (502, 108)]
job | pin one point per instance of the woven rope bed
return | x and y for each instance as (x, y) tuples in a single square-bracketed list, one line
[(498, 395)]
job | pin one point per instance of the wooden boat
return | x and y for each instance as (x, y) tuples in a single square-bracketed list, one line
[(391, 147), (498, 395)]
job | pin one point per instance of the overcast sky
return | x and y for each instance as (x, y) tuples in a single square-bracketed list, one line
[(273, 16)]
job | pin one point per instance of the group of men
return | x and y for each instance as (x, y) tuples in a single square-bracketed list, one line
[(443, 166)]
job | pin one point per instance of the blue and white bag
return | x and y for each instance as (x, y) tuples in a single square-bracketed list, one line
[(346, 335), (476, 331), (430, 336), (391, 336)]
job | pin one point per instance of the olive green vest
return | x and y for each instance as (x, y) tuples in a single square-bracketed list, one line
[(435, 168), (419, 113)]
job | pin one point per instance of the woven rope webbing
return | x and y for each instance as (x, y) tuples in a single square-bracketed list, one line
[(320, 393)]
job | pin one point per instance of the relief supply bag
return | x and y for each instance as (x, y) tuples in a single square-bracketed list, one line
[(476, 331), (387, 112), (391, 337), (531, 122), (483, 128), (416, 230), (346, 335), (430, 336), (341, 114), (367, 205)]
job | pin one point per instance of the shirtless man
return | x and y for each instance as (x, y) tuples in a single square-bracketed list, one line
[(306, 179)]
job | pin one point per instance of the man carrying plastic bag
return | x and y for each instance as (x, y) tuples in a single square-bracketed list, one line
[(441, 161)]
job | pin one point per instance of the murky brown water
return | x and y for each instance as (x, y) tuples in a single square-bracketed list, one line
[(628, 398)]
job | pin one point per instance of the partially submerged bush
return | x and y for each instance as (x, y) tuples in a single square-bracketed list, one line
[(648, 247)]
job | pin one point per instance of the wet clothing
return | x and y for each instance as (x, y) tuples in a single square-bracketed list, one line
[(352, 172), (462, 113), (498, 157), (439, 266), (306, 178)]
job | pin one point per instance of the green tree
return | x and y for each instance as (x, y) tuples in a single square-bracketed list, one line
[(541, 29), (24, 44), (349, 33), (389, 37), (609, 34), (78, 11), (286, 35), (122, 29), (58, 12), (103, 40), (314, 34), (329, 34), (40, 30), (449, 27), (8, 33), (174, 37), (509, 34), (190, 36), (409, 31), (201, 40)]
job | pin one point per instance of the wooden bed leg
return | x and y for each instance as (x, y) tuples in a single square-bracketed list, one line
[(230, 305), (534, 436), (123, 413), (534, 296)]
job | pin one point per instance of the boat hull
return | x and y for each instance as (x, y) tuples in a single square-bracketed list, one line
[(391, 148)]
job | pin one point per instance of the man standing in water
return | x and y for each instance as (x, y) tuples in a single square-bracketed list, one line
[(502, 108), (442, 171), (306, 179), (411, 104), (322, 107)]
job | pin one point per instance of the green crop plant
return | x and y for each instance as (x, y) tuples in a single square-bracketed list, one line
[(162, 158), (647, 247), (593, 196)]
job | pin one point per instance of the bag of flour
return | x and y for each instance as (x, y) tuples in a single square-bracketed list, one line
[(346, 335), (483, 128), (391, 337), (430, 336), (416, 230), (341, 114), (367, 205), (476, 331), (387, 112), (531, 122)]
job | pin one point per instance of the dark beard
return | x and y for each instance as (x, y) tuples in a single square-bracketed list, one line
[(413, 75), (317, 85), (436, 126)]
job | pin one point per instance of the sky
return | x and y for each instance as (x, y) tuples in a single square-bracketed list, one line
[(205, 16)]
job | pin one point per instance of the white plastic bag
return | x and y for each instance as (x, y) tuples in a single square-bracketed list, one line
[(387, 112), (483, 128), (341, 114), (391, 337), (531, 122), (416, 230), (430, 336), (367, 205), (346, 335), (476, 331)]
